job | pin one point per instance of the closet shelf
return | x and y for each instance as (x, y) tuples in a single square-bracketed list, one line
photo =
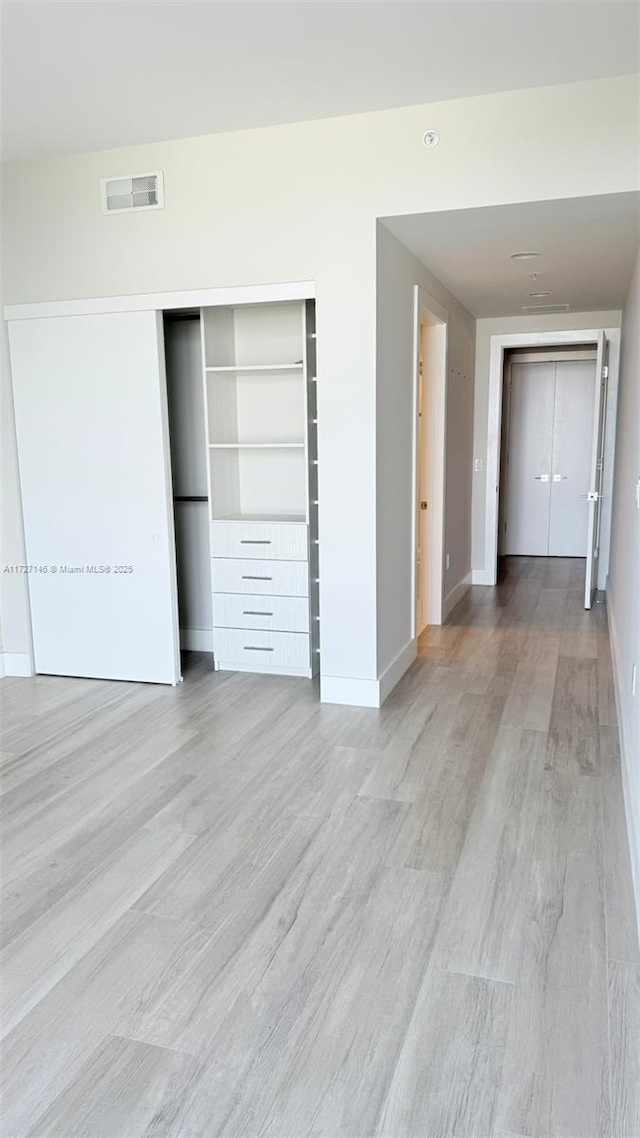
[(254, 446), (253, 368)]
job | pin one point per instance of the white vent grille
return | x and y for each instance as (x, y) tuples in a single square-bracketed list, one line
[(544, 309), (132, 192)]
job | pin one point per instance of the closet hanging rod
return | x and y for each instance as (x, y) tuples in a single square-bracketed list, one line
[(191, 498)]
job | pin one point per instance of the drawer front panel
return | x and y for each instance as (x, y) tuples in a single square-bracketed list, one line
[(273, 578), (268, 540), (283, 614), (256, 647)]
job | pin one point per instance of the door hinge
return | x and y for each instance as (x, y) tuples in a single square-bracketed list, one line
[(605, 372)]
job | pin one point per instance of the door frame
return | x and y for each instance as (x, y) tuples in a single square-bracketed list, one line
[(433, 439), (585, 353), (499, 344)]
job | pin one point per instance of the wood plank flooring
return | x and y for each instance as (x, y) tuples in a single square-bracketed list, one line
[(233, 912)]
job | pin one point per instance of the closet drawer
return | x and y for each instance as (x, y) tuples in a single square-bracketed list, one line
[(270, 540), (261, 649), (279, 578), (284, 614)]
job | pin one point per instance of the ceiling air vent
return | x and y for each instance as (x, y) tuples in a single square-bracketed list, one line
[(544, 309), (132, 192)]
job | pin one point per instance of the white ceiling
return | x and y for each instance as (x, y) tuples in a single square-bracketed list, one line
[(587, 248), (92, 75)]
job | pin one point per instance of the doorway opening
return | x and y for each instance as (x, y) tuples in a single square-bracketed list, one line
[(430, 388), (547, 454)]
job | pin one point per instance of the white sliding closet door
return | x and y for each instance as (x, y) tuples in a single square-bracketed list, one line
[(91, 420)]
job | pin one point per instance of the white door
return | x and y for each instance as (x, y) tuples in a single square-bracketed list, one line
[(530, 449), (596, 471), (549, 456), (572, 426), (91, 421)]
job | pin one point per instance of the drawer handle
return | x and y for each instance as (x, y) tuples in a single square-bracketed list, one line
[(255, 612), (252, 577), (254, 541), (253, 648)]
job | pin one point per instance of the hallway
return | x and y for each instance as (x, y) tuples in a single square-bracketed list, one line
[(233, 911)]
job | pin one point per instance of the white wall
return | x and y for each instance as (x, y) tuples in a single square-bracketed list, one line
[(503, 326), (398, 272), (300, 202), (624, 573)]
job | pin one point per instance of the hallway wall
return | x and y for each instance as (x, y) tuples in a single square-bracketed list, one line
[(397, 274), (624, 573)]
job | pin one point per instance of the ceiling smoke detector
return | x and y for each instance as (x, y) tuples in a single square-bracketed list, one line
[(430, 139)]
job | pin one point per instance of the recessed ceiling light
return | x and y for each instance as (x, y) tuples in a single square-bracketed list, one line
[(523, 256), (537, 295)]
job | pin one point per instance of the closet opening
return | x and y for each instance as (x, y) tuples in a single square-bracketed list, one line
[(185, 406), (551, 452), (241, 398)]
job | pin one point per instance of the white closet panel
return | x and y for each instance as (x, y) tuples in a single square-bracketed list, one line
[(91, 419), (573, 421), (529, 458)]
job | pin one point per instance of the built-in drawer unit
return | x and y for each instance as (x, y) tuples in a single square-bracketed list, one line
[(255, 649), (280, 614), (279, 578), (275, 541)]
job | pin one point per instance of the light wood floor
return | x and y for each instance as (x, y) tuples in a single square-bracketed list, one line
[(232, 911)]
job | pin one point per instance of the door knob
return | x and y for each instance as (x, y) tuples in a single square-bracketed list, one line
[(541, 477), (560, 478)]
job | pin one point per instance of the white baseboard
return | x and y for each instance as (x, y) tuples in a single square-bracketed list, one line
[(394, 672), (630, 802), (196, 639), (481, 577), (349, 691), (455, 595), (16, 664), (368, 693)]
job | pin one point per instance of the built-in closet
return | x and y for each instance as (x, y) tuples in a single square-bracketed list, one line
[(242, 419), (168, 464)]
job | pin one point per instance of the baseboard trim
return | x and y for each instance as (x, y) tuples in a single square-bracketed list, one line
[(349, 691), (633, 821), (394, 672), (481, 577), (16, 664), (196, 639), (455, 595)]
